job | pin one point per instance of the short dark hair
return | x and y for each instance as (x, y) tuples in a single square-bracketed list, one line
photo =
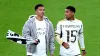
[(38, 5), (71, 8)]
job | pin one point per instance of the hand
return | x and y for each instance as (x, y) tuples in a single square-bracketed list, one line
[(51, 55), (66, 45), (83, 53), (36, 41)]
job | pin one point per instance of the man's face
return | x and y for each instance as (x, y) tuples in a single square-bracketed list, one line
[(40, 11), (68, 13)]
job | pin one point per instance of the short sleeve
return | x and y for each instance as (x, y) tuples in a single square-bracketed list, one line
[(58, 28)]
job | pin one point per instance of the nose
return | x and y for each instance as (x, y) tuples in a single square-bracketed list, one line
[(42, 11)]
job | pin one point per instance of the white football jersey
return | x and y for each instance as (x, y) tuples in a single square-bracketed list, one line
[(41, 32), (69, 31)]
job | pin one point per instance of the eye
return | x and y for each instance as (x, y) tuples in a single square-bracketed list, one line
[(40, 9), (43, 9), (67, 11)]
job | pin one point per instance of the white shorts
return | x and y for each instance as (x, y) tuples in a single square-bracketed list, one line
[(70, 55), (28, 53), (33, 54)]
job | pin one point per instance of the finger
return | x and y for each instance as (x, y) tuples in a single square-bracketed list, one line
[(67, 47)]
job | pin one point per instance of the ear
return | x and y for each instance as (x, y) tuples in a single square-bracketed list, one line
[(72, 13)]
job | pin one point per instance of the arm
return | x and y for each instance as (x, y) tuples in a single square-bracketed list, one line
[(58, 35), (26, 34), (81, 41), (51, 44), (81, 38), (57, 38)]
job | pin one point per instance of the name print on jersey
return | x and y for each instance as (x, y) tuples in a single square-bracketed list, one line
[(70, 26), (41, 31)]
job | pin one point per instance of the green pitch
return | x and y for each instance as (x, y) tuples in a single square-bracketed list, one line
[(14, 13)]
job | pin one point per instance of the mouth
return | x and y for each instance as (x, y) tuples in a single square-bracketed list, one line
[(42, 14)]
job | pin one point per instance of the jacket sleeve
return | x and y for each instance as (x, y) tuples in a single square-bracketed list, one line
[(51, 40), (26, 33)]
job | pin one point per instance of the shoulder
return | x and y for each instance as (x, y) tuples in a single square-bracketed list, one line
[(47, 19), (31, 16), (61, 21), (79, 21)]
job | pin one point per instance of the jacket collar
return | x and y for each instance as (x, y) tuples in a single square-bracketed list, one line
[(32, 18)]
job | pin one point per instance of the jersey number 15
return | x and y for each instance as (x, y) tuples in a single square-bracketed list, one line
[(72, 35)]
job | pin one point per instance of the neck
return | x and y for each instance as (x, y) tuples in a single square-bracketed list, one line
[(39, 18), (72, 18)]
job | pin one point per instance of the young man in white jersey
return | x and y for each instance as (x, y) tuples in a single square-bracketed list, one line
[(68, 32), (39, 27)]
